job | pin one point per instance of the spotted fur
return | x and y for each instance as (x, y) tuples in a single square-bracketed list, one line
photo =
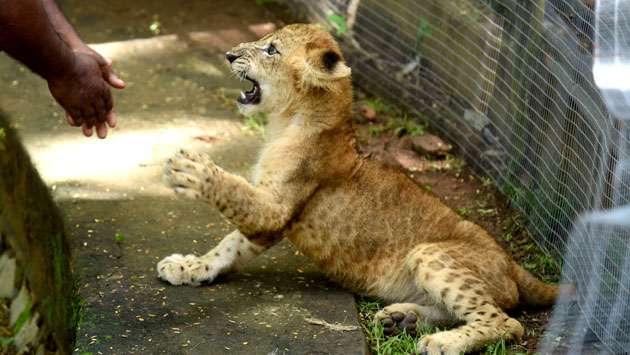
[(366, 225)]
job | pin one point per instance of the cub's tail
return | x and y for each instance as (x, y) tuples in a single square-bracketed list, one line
[(533, 291)]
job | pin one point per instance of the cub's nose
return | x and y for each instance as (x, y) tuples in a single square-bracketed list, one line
[(231, 57)]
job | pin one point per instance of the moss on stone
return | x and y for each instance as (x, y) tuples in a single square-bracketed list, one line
[(34, 231)]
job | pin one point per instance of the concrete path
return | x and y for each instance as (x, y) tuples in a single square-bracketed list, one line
[(123, 220)]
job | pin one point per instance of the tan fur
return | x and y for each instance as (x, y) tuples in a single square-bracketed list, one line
[(368, 226)]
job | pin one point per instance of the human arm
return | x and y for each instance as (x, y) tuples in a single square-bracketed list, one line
[(35, 33)]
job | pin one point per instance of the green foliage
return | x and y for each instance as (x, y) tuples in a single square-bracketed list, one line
[(400, 126), (22, 318), (424, 28), (77, 311), (339, 23), (497, 348), (59, 260), (501, 348), (377, 105), (521, 197), (256, 123), (399, 344), (264, 2), (368, 307), (3, 135), (405, 125), (423, 31), (544, 266), (394, 345), (463, 211), (377, 130), (6, 341), (119, 238)]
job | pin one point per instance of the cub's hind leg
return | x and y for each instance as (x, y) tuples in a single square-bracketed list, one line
[(464, 294), (410, 317)]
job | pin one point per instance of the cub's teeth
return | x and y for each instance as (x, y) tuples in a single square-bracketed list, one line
[(243, 95)]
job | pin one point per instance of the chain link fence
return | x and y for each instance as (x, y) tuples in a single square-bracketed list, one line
[(512, 83)]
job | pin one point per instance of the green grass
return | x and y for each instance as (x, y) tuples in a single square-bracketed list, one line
[(381, 345), (392, 119), (3, 135), (405, 125), (405, 344), (377, 105), (463, 211), (544, 266), (400, 125), (22, 318), (532, 257), (339, 23)]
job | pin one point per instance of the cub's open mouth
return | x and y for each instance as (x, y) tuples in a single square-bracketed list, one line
[(252, 96)]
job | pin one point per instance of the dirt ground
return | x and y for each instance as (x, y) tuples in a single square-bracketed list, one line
[(388, 137)]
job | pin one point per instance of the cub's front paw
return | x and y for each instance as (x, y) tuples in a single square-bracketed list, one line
[(185, 270), (190, 174), (443, 343)]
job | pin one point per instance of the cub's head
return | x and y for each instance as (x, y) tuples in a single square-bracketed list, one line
[(295, 66)]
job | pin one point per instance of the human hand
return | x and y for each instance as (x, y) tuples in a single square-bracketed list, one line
[(83, 91)]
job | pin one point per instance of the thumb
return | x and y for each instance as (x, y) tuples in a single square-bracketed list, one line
[(109, 75), (115, 81)]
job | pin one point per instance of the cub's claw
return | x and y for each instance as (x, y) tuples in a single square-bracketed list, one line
[(189, 174)]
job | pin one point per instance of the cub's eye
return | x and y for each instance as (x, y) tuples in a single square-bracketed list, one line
[(271, 49)]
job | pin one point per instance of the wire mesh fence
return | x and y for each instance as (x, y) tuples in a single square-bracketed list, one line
[(512, 83)]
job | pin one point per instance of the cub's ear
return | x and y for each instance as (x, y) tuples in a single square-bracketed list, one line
[(323, 66)]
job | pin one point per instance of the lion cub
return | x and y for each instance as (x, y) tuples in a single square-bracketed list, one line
[(369, 227)]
